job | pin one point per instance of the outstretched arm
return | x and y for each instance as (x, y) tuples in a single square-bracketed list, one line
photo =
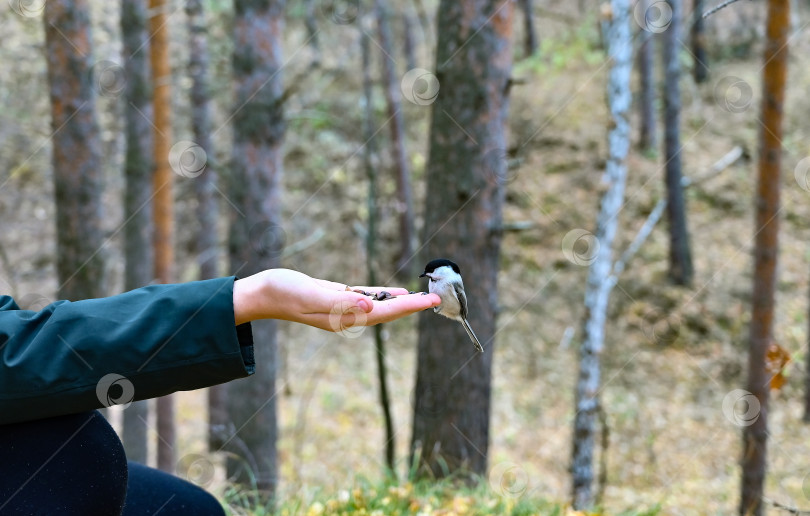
[(294, 296)]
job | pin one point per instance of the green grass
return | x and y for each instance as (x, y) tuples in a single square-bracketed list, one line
[(424, 497)]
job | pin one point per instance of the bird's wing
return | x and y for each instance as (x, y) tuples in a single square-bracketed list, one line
[(462, 300)]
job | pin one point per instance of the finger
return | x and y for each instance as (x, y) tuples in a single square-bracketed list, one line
[(346, 318), (401, 306)]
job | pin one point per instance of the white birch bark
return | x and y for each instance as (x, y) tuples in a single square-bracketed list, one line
[(619, 45)]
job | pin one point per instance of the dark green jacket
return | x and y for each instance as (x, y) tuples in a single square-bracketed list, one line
[(70, 356)]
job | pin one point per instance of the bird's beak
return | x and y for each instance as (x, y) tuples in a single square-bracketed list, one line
[(423, 275)]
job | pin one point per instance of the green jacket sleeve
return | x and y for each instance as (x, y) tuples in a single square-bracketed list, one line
[(77, 356)]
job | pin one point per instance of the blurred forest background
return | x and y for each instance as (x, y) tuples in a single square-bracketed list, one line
[(344, 95)]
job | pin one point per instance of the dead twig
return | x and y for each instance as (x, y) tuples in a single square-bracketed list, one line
[(655, 215), (717, 8), (787, 508)]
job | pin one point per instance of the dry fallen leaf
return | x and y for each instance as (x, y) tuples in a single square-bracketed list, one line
[(776, 357)]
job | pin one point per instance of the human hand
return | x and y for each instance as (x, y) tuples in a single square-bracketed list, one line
[(294, 296)]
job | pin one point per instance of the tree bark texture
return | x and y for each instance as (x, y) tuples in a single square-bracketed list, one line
[(648, 133), (529, 32), (206, 241), (391, 85), (138, 168), (163, 200), (76, 154), (371, 247), (701, 65), (680, 256), (409, 45), (257, 237), (766, 249), (466, 178), (599, 285)]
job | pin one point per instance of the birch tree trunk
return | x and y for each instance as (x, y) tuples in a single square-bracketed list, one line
[(76, 154), (766, 250), (597, 293), (138, 168)]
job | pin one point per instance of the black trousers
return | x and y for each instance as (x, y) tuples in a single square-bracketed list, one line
[(76, 465)]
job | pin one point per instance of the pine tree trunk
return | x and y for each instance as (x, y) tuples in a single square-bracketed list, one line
[(806, 417), (701, 69), (312, 32), (409, 45), (391, 85), (163, 201), (680, 256), (766, 249), (463, 216), (371, 247), (138, 167), (257, 238), (648, 134), (76, 140), (529, 32), (206, 241), (620, 51)]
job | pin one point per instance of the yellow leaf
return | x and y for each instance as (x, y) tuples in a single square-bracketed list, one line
[(776, 357)]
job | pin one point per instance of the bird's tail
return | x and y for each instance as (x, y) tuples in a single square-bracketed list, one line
[(471, 333)]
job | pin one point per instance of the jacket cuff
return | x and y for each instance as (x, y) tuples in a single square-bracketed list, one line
[(244, 334)]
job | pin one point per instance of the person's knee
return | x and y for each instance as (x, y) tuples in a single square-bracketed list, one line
[(64, 465), (150, 490)]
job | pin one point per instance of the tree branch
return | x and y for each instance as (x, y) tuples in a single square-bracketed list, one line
[(717, 8), (787, 508), (655, 215)]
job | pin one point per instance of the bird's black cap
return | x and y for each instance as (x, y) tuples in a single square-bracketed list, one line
[(439, 262)]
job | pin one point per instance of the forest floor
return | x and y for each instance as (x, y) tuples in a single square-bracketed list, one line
[(672, 356)]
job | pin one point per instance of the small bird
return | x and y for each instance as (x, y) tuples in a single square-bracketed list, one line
[(445, 280)]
